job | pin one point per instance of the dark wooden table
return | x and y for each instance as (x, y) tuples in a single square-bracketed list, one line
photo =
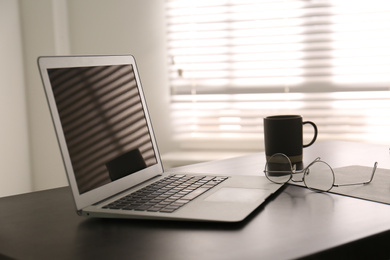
[(296, 223)]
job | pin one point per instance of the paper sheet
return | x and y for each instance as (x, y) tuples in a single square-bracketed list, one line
[(378, 190)]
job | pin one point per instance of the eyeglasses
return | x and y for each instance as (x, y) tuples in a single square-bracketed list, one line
[(317, 176)]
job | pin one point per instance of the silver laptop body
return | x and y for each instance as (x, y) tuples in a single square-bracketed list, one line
[(108, 146)]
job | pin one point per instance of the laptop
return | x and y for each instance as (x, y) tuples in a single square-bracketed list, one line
[(111, 156)]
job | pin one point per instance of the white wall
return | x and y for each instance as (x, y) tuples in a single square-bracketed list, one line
[(128, 27), (41, 26), (29, 153), (14, 146)]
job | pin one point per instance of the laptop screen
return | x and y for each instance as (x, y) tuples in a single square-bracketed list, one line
[(103, 122)]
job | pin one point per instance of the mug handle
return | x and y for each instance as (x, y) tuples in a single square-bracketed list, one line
[(315, 133)]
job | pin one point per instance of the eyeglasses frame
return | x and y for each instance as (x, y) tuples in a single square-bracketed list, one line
[(306, 172)]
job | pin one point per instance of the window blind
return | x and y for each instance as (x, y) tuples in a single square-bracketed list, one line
[(233, 62)]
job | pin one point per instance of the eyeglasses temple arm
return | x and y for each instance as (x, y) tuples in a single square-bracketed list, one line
[(359, 183), (314, 161)]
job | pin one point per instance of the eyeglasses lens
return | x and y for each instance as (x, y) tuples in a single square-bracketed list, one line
[(278, 168), (319, 176)]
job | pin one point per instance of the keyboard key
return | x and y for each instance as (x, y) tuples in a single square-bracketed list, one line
[(194, 194)]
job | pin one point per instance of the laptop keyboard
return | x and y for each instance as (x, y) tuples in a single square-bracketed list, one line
[(168, 194)]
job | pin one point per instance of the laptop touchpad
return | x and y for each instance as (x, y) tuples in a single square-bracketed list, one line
[(240, 195)]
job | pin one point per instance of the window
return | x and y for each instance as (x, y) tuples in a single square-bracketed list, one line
[(233, 62)]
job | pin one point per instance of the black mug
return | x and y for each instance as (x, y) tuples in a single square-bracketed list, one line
[(284, 134)]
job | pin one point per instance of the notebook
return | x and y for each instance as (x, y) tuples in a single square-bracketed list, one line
[(110, 153)]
